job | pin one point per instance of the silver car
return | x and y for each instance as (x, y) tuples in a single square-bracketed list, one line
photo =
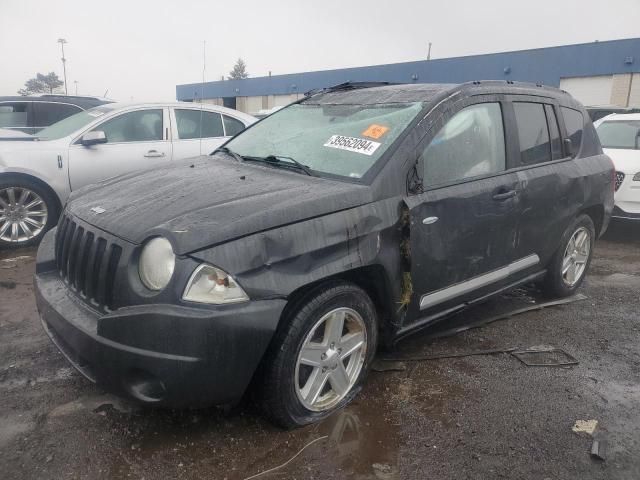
[(38, 174)]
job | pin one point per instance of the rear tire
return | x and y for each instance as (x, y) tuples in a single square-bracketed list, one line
[(27, 211), (315, 366), (568, 267)]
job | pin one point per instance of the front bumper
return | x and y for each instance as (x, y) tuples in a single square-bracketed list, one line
[(170, 355)]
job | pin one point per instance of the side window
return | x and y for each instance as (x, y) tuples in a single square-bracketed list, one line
[(232, 126), (13, 114), (532, 133), (198, 124), (45, 114), (574, 123), (554, 132), (138, 126), (471, 143)]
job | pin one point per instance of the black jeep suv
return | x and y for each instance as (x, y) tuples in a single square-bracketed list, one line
[(348, 219)]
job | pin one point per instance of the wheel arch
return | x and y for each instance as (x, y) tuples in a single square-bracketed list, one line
[(596, 213), (33, 179), (373, 279)]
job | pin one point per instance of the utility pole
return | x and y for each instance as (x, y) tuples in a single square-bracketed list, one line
[(76, 82), (62, 41), (429, 52)]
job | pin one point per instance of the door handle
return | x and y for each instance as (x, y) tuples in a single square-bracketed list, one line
[(499, 197), (429, 220), (154, 153)]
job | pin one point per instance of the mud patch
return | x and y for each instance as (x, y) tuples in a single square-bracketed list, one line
[(13, 426)]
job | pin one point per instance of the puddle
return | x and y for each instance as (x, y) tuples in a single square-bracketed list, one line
[(365, 440)]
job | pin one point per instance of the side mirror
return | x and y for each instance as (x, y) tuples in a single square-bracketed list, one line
[(93, 138), (568, 147)]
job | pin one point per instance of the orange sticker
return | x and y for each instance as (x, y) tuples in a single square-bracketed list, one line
[(375, 131)]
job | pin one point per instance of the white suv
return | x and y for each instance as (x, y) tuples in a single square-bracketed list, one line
[(38, 174), (620, 138)]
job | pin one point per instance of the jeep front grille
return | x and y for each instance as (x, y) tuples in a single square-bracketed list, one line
[(87, 261)]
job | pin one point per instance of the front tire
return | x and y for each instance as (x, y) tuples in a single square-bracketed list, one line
[(27, 212), (318, 361), (570, 263)]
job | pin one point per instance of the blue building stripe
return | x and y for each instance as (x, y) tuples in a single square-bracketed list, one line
[(542, 65)]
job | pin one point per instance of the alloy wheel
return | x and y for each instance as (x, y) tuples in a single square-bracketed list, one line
[(576, 256), (330, 360), (23, 214)]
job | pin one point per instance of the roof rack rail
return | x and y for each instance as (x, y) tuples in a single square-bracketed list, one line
[(62, 95), (347, 86)]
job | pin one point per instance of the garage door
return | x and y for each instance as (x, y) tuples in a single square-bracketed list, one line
[(589, 90)]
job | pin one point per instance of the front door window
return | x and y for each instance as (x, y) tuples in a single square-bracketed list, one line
[(470, 144), (136, 126)]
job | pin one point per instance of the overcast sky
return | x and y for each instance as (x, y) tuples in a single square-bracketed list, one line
[(139, 50)]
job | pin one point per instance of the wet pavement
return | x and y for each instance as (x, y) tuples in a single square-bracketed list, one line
[(485, 416)]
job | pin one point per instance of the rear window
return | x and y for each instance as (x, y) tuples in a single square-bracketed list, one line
[(554, 132), (45, 113), (232, 126), (13, 114), (620, 134), (574, 123), (532, 133), (198, 124)]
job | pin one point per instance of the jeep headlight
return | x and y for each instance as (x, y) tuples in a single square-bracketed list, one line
[(209, 284), (157, 262), (636, 177)]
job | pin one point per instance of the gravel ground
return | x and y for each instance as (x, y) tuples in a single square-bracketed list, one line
[(486, 416)]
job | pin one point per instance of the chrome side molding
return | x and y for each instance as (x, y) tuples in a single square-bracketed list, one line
[(439, 296)]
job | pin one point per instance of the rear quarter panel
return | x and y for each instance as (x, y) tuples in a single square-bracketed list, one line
[(41, 163)]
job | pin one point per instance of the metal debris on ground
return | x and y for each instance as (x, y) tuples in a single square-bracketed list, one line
[(503, 316), (544, 356), (448, 355), (15, 259), (288, 461), (599, 449), (383, 365)]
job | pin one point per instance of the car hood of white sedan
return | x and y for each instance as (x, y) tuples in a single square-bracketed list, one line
[(625, 160)]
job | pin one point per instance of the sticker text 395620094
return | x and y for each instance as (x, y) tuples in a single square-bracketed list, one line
[(352, 144)]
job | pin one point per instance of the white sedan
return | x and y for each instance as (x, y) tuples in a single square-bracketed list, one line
[(620, 138), (38, 174)]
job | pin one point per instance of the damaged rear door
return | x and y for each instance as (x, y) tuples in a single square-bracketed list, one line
[(462, 225)]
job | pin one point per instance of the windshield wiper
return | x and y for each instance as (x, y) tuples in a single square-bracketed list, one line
[(277, 160), (228, 151)]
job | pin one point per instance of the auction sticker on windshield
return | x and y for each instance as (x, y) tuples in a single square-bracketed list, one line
[(352, 144), (375, 131)]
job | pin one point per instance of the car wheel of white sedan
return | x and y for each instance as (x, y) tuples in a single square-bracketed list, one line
[(27, 211)]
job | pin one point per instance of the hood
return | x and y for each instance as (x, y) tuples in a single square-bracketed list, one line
[(210, 200), (625, 160)]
